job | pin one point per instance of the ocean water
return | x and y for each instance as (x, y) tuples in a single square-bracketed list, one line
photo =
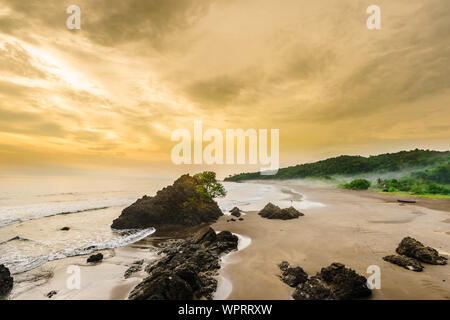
[(34, 209)]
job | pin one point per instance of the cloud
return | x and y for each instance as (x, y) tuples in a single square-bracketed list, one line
[(138, 69)]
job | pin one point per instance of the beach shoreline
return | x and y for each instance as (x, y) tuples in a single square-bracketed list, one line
[(351, 227)]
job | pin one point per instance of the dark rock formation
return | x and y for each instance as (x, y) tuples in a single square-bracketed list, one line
[(177, 205), (135, 267), (65, 229), (292, 276), (335, 282), (405, 262), (271, 211), (187, 269), (235, 212), (95, 258), (414, 249), (6, 281), (51, 294)]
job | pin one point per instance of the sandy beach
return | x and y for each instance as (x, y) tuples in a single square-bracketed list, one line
[(354, 228)]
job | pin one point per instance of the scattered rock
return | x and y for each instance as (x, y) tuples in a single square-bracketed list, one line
[(232, 219), (177, 205), (65, 229), (271, 211), (135, 267), (235, 212), (51, 294), (95, 258), (405, 262), (412, 248), (187, 270), (292, 276), (241, 219), (335, 282), (6, 281)]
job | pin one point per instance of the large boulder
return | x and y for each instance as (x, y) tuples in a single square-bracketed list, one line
[(335, 282), (271, 211), (187, 269), (412, 248), (178, 205), (6, 281), (405, 262)]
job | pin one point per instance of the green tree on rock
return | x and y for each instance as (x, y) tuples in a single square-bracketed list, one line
[(209, 188)]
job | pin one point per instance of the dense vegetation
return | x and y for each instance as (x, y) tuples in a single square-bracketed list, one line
[(358, 184), (432, 181), (352, 165)]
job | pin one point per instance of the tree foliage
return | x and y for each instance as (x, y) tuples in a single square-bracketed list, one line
[(358, 184), (209, 188)]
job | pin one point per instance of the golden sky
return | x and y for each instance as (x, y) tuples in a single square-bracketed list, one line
[(107, 97)]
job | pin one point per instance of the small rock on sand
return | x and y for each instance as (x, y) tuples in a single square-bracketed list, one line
[(271, 211), (235, 212), (95, 258)]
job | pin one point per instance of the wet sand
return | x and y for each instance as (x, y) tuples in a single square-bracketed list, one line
[(99, 281), (353, 228)]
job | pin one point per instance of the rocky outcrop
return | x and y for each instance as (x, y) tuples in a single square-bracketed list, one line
[(187, 269), (235, 212), (271, 211), (335, 282), (178, 205), (6, 281), (405, 262), (95, 258), (292, 276), (412, 248), (135, 267)]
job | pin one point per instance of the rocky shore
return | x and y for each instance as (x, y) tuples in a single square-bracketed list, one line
[(188, 268)]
